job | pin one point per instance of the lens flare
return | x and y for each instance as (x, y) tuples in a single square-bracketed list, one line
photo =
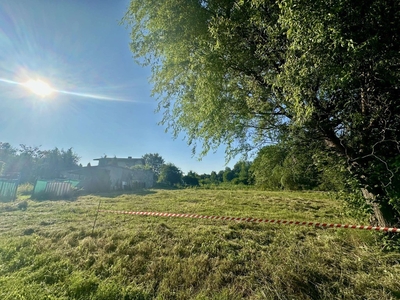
[(39, 87), (43, 89)]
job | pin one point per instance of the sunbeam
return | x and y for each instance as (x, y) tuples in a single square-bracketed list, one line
[(10, 81), (92, 96), (43, 89)]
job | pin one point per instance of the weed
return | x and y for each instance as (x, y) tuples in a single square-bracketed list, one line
[(25, 189)]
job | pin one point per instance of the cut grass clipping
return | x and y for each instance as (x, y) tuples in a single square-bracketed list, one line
[(48, 250)]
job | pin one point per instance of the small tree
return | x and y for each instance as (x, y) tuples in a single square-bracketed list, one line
[(191, 179), (220, 176), (155, 162), (214, 177), (241, 170), (228, 175), (170, 174)]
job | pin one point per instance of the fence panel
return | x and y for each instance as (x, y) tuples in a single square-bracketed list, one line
[(8, 190), (56, 188)]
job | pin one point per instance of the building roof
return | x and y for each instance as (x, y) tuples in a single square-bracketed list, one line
[(129, 158), (122, 162), (85, 170)]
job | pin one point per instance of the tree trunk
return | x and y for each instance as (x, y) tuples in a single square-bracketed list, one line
[(377, 217)]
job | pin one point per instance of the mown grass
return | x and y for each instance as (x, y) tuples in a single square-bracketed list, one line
[(49, 250)]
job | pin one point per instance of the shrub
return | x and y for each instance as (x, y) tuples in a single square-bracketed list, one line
[(25, 189)]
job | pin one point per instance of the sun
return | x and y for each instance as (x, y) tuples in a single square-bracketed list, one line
[(39, 87)]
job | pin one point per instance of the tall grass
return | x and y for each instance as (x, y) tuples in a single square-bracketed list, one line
[(49, 251)]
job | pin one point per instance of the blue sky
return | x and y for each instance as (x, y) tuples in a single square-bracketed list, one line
[(78, 46)]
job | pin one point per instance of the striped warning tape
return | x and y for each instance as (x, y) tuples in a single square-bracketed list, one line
[(316, 224)]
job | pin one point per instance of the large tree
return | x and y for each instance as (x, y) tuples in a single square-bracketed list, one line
[(245, 73)]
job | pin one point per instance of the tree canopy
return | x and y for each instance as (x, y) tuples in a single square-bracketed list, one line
[(32, 162), (245, 73), (170, 174), (155, 162), (285, 166)]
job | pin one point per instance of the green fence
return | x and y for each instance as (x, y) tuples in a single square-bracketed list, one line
[(8, 189), (54, 188)]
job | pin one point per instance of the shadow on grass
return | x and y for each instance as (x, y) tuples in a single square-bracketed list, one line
[(46, 196), (115, 194), (164, 186), (74, 196)]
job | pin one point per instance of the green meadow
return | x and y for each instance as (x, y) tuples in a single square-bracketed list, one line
[(52, 250)]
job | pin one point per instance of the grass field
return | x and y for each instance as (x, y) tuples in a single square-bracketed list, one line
[(48, 249)]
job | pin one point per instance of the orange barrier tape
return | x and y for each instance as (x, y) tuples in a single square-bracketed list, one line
[(254, 220)]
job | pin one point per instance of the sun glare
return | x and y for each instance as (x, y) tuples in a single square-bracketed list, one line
[(39, 87), (43, 89)]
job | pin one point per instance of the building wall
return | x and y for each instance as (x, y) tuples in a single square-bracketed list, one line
[(145, 176), (114, 177), (119, 176)]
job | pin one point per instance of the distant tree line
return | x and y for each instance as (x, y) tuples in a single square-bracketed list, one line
[(30, 163), (171, 175), (275, 167)]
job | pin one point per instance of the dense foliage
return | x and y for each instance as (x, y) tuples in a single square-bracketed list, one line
[(170, 174), (154, 161), (30, 163), (295, 168)]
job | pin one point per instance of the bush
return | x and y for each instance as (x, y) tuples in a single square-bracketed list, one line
[(25, 189)]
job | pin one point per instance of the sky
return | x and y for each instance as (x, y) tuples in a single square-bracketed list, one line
[(101, 102)]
